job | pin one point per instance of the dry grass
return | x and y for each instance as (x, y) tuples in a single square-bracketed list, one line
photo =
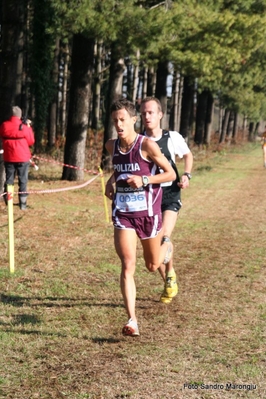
[(61, 313)]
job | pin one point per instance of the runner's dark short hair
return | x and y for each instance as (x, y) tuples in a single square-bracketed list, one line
[(123, 103)]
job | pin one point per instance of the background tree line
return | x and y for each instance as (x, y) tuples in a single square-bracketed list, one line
[(64, 62)]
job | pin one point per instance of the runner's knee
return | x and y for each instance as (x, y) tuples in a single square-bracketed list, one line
[(152, 267)]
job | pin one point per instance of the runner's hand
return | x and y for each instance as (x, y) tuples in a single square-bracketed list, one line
[(135, 181), (109, 190), (184, 182)]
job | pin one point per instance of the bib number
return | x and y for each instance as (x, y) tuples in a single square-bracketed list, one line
[(128, 200)]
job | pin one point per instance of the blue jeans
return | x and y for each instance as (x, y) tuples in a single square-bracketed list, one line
[(21, 169)]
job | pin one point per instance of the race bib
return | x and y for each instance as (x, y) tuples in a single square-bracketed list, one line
[(129, 199)]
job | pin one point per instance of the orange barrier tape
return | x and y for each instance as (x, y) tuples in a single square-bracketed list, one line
[(64, 164), (56, 190)]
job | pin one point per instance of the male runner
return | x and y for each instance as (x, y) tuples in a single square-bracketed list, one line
[(136, 204), (171, 144)]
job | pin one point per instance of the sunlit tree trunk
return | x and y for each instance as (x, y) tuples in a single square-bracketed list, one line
[(230, 126), (174, 115), (179, 102), (64, 89), (224, 126), (97, 89), (221, 116), (145, 82), (53, 106), (161, 90), (244, 128), (136, 78)]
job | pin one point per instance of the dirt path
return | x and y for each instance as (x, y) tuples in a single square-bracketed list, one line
[(61, 316), (213, 332), (222, 277)]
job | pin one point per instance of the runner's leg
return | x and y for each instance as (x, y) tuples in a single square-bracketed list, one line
[(169, 222), (125, 245), (154, 252)]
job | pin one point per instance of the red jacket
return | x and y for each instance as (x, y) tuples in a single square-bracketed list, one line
[(16, 142)]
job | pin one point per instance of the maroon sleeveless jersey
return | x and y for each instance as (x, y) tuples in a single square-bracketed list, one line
[(130, 202)]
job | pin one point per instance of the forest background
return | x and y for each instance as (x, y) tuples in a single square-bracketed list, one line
[(64, 62)]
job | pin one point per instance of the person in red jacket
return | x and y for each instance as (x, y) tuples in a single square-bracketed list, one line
[(17, 137)]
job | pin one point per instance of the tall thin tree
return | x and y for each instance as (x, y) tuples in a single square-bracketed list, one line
[(78, 114)]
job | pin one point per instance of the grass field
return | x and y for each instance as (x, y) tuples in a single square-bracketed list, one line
[(61, 312)]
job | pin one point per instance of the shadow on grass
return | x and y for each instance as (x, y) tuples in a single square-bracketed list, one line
[(19, 301), (34, 332), (26, 319), (147, 300), (102, 341), (15, 221), (23, 319)]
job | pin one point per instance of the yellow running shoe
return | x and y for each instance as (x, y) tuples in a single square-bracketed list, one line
[(170, 290)]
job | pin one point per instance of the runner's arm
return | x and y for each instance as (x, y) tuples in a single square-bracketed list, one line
[(150, 150), (109, 189), (188, 163)]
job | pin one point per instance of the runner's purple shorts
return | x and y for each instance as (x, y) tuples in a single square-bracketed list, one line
[(145, 227)]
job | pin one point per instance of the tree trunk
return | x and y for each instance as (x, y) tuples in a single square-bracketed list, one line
[(97, 90), (179, 102), (251, 131), (64, 90), (53, 105), (173, 121), (144, 93), (12, 45), (224, 126), (161, 90), (187, 107), (135, 78), (12, 21), (221, 117), (245, 122), (230, 127), (78, 116), (235, 128), (43, 45), (117, 68), (151, 87), (145, 82), (201, 116), (209, 119)]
